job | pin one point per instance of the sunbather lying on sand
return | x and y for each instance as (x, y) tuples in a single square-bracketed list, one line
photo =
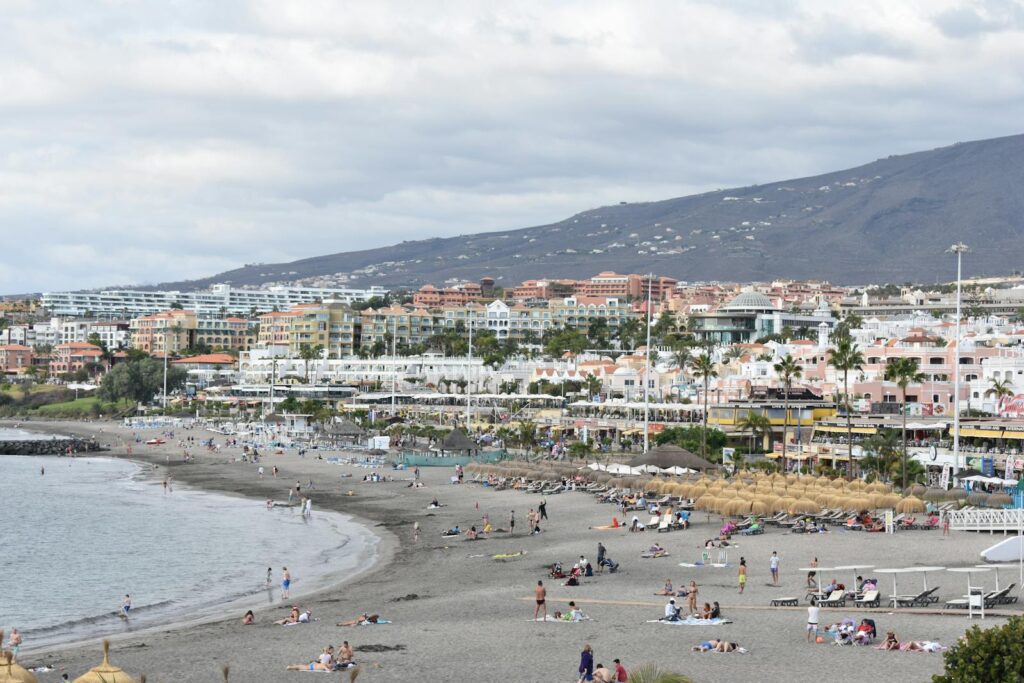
[(717, 646), (361, 619), (323, 662), (295, 617)]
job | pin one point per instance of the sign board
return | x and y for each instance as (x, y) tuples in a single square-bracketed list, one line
[(1008, 475), (889, 526), (944, 480), (727, 455)]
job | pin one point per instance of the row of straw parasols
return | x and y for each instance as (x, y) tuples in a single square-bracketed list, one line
[(746, 493)]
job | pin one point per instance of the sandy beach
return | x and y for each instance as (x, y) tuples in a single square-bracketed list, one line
[(456, 611)]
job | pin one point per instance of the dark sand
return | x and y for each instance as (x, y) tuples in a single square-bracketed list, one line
[(459, 614)]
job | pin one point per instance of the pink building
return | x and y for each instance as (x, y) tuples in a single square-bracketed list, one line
[(15, 358)]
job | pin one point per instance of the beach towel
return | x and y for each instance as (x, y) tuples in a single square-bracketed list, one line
[(373, 623), (651, 556), (691, 621), (717, 565), (508, 556), (549, 617)]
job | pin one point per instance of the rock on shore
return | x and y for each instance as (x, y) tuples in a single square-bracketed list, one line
[(55, 446)]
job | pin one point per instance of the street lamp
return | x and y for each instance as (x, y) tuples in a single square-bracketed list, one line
[(959, 248)]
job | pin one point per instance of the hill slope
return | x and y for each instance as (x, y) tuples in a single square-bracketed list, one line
[(887, 221)]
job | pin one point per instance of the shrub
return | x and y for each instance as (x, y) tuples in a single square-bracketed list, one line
[(994, 655), (649, 673)]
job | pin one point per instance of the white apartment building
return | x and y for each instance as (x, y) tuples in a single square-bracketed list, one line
[(218, 300), (259, 365)]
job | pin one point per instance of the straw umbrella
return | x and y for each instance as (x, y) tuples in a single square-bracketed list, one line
[(105, 672), (884, 501), (11, 672), (918, 490), (932, 495), (804, 506), (759, 507), (999, 500), (978, 498), (910, 504)]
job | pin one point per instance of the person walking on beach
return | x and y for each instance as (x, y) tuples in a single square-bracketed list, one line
[(742, 575), (512, 523), (586, 669), (813, 616), (691, 598), (540, 593), (286, 582), (259, 472), (811, 582), (773, 564), (14, 642), (543, 508)]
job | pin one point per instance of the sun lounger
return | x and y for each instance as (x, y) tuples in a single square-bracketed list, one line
[(786, 602), (664, 524), (836, 599), (962, 603), (774, 520), (870, 599), (1008, 599), (655, 520), (922, 599)]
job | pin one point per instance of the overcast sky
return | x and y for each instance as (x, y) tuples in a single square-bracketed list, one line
[(148, 141)]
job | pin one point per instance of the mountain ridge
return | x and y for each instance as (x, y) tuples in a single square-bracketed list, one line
[(889, 220)]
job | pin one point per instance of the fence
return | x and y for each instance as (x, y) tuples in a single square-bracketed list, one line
[(1006, 520)]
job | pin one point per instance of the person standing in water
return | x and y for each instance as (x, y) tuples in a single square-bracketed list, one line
[(126, 606), (286, 582), (270, 576)]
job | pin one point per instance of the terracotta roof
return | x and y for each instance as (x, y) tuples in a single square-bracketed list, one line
[(208, 359), (15, 347)]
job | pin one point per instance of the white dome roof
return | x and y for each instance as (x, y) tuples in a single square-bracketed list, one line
[(750, 301)]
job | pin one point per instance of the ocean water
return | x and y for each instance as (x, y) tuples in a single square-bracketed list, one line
[(90, 530)]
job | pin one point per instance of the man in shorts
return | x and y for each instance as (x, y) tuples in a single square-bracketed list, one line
[(541, 594), (813, 615), (773, 564), (286, 582), (742, 574)]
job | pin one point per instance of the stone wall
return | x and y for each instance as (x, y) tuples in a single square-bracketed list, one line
[(55, 446)]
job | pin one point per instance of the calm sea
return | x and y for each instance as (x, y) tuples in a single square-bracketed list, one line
[(90, 530)]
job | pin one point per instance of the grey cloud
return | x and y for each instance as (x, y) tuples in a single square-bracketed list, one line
[(187, 139)]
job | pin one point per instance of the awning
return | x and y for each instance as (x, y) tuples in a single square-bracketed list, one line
[(981, 433), (1013, 434), (842, 430)]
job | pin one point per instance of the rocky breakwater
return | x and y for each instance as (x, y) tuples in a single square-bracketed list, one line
[(55, 446)]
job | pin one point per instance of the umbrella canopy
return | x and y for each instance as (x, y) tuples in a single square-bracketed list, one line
[(669, 455), (345, 427), (910, 504), (456, 440)]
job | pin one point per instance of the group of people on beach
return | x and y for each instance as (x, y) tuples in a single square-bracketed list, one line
[(600, 673), (329, 659)]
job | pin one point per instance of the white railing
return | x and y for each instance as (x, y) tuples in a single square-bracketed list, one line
[(987, 520)]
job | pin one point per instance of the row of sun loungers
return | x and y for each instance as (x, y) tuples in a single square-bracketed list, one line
[(991, 599)]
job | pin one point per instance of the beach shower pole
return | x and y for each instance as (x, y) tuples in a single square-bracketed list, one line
[(959, 248), (469, 369), (647, 370), (394, 365)]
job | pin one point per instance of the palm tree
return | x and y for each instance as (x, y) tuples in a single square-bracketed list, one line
[(788, 370), (883, 449), (1000, 389), (593, 385), (846, 356), (682, 358), (704, 368), (308, 352), (904, 371), (758, 424), (734, 353)]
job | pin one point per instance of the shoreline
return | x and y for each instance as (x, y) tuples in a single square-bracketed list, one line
[(455, 608), (367, 558)]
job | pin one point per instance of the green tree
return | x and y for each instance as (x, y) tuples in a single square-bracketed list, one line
[(734, 353), (664, 326), (593, 385), (682, 358), (788, 370), (994, 655), (881, 453), (630, 333), (844, 357), (691, 439), (758, 424), (704, 368), (1000, 389), (308, 352), (559, 341), (527, 436), (139, 380), (598, 332), (904, 372)]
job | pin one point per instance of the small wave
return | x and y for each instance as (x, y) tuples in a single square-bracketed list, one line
[(96, 618)]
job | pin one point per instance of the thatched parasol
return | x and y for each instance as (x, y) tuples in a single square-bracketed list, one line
[(910, 504), (105, 672), (884, 501), (978, 498), (11, 672), (804, 506), (999, 500), (931, 495), (760, 508), (878, 487)]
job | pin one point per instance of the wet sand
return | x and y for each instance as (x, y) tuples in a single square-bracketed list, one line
[(457, 612)]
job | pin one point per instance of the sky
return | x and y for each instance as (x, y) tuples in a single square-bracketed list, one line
[(143, 142)]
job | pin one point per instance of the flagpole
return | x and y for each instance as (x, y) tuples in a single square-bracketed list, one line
[(647, 370)]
